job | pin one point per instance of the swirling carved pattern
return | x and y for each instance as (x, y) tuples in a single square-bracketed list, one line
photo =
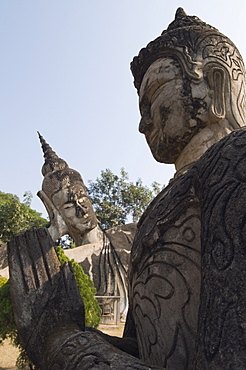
[(219, 48), (221, 331), (164, 265), (165, 277), (69, 348)]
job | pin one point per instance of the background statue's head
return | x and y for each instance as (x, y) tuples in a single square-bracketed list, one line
[(65, 197), (189, 77)]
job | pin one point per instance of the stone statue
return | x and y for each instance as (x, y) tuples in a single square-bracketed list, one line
[(65, 198), (104, 255), (191, 85), (187, 301)]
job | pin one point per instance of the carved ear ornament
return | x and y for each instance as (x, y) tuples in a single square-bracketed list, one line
[(216, 81)]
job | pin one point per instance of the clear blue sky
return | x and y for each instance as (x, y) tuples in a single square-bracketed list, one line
[(64, 71)]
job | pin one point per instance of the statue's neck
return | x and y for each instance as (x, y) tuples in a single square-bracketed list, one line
[(200, 143), (95, 235)]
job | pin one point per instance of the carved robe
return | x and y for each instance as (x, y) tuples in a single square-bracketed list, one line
[(204, 211), (107, 263)]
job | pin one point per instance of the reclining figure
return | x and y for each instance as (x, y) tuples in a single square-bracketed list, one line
[(103, 254)]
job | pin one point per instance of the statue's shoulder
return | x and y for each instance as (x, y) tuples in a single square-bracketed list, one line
[(122, 236), (231, 146), (170, 200), (224, 162)]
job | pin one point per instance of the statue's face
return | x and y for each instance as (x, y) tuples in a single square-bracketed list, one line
[(171, 116), (75, 209)]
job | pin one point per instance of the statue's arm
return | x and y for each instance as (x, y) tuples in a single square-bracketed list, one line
[(49, 312), (70, 348), (57, 226)]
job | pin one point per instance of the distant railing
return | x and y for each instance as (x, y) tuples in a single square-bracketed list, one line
[(110, 306)]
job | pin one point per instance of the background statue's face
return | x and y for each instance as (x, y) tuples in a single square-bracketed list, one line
[(75, 209), (171, 116)]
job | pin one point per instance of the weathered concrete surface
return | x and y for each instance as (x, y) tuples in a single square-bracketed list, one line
[(165, 276)]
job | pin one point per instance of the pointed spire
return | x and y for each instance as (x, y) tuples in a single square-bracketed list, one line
[(180, 13), (52, 161)]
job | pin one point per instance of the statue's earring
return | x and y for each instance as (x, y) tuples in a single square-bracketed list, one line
[(216, 81)]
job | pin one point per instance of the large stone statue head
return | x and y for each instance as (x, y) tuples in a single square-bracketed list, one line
[(64, 196), (188, 78)]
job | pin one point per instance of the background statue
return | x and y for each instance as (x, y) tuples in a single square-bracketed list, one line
[(191, 85), (104, 255)]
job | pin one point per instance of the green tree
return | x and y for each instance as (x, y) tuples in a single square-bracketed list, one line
[(115, 199), (7, 324), (17, 217), (65, 242), (27, 198)]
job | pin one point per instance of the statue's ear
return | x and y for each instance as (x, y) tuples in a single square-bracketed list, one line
[(58, 227), (216, 81), (50, 208)]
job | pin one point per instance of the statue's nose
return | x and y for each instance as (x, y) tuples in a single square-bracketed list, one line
[(145, 124)]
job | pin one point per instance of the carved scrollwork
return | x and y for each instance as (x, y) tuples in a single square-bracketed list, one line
[(165, 277)]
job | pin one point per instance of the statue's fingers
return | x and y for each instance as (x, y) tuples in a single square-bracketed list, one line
[(36, 256), (69, 280), (73, 297), (45, 263), (52, 262), (20, 266)]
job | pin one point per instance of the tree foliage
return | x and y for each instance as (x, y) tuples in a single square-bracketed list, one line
[(65, 242), (115, 199), (7, 324), (17, 217)]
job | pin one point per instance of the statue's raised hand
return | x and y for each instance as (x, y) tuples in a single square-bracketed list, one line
[(44, 293), (49, 312)]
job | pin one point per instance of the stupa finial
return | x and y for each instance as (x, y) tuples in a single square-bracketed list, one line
[(52, 161)]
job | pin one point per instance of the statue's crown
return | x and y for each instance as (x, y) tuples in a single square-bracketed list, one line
[(184, 38), (52, 161), (57, 174), (183, 20)]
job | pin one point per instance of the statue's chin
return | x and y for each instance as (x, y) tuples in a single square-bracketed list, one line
[(82, 228), (162, 155)]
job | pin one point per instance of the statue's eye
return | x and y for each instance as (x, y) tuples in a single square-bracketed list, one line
[(68, 205)]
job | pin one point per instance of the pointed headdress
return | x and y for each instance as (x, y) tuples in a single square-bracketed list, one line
[(52, 161), (57, 174)]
